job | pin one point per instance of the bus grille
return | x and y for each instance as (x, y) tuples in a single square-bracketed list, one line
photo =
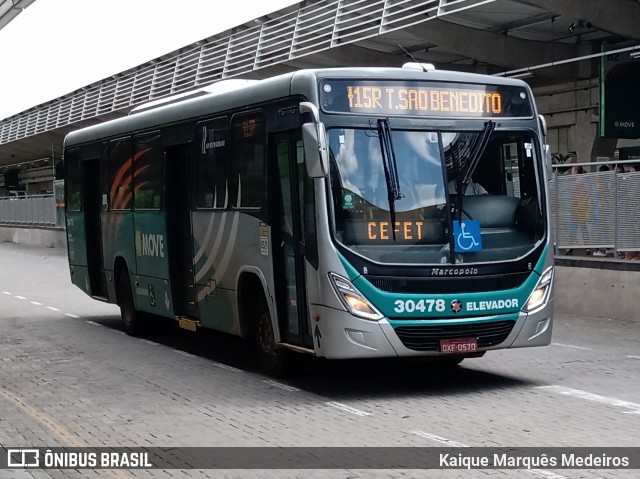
[(427, 338), (426, 285)]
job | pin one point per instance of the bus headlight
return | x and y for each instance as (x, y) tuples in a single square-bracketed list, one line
[(541, 294), (352, 299)]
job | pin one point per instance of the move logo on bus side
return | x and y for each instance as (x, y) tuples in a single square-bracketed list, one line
[(149, 244)]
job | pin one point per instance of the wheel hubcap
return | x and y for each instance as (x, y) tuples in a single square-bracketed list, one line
[(265, 335)]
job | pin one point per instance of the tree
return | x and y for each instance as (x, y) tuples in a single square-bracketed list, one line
[(560, 159)]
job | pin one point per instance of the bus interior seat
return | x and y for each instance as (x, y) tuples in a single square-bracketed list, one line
[(500, 220), (492, 211)]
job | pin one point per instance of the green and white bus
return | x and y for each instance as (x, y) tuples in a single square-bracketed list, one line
[(346, 213)]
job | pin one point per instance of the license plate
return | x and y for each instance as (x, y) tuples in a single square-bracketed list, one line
[(458, 346)]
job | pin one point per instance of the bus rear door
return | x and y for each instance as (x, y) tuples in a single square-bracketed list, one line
[(83, 226), (92, 206), (152, 259)]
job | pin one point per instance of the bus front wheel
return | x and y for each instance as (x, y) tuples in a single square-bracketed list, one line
[(131, 319), (272, 358)]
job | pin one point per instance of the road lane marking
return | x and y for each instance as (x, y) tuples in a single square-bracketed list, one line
[(184, 353), (633, 357), (276, 384), (441, 440), (580, 394), (93, 323), (547, 474), (40, 416), (56, 427), (152, 343), (451, 443), (227, 367), (36, 303), (349, 409), (563, 345)]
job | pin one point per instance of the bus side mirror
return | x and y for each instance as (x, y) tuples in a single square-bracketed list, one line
[(314, 138), (547, 161), (546, 149)]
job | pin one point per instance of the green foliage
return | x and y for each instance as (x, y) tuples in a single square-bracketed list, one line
[(74, 200), (560, 159), (147, 200)]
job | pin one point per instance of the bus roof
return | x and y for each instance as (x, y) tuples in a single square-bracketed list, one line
[(300, 82), (219, 87)]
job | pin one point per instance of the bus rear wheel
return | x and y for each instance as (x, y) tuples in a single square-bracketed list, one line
[(272, 358), (132, 320)]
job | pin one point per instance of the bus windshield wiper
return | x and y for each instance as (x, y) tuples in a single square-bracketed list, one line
[(461, 182), (390, 170), (477, 150)]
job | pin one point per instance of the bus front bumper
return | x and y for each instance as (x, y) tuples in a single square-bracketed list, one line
[(340, 335)]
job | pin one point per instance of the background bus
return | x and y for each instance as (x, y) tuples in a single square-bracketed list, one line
[(325, 211)]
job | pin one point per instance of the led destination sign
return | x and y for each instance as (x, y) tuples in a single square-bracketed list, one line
[(431, 99), (406, 231), (424, 99)]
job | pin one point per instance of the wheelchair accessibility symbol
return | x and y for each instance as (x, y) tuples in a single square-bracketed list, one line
[(467, 236)]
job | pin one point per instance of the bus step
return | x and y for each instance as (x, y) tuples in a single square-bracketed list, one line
[(299, 349), (188, 324)]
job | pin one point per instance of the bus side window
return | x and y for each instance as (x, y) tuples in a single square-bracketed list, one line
[(148, 171), (211, 177), (121, 170), (509, 154), (247, 162), (73, 181)]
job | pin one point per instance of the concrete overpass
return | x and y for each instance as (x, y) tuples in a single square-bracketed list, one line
[(10, 9), (555, 44)]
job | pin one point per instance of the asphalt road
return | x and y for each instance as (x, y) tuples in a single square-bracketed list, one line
[(70, 377)]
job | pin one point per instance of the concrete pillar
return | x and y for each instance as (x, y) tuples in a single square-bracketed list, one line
[(584, 129)]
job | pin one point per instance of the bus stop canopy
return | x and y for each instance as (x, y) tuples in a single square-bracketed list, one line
[(545, 41)]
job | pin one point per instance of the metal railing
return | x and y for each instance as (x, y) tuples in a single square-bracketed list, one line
[(596, 213), (33, 210)]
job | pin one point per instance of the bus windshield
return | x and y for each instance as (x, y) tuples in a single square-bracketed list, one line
[(396, 196)]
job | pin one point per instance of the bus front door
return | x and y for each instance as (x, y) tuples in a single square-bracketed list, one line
[(288, 245)]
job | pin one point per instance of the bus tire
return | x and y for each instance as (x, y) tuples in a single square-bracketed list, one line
[(272, 358), (132, 320)]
